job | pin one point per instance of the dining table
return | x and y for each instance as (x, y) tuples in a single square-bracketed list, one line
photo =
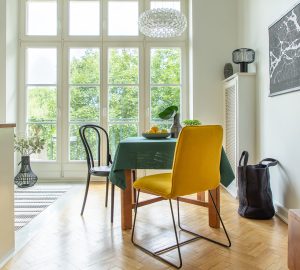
[(157, 154)]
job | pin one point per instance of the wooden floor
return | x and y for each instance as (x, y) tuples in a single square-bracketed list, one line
[(72, 242)]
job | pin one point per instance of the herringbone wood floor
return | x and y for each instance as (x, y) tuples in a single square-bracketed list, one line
[(72, 242)]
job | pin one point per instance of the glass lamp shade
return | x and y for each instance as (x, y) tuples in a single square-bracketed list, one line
[(162, 23), (243, 56)]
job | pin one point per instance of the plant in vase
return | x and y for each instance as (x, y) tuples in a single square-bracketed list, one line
[(26, 146), (172, 112)]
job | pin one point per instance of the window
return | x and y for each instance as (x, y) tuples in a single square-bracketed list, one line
[(41, 91), (123, 94), (84, 95), (86, 62), (165, 85), (84, 18), (123, 18), (41, 18), (166, 4)]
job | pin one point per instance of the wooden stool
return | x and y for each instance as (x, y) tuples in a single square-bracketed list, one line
[(294, 239)]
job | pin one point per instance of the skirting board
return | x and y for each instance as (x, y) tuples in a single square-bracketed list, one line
[(6, 258), (281, 212)]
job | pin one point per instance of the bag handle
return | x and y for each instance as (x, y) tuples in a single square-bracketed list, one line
[(272, 162), (245, 156)]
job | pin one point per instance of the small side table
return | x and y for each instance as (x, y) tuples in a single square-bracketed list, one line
[(294, 239)]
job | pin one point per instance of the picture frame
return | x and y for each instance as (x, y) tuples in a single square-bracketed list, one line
[(284, 53)]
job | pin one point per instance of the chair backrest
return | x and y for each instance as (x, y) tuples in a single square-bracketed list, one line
[(196, 165), (99, 133)]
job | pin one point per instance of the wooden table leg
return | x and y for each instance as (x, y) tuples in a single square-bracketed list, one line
[(126, 202), (201, 196), (214, 220)]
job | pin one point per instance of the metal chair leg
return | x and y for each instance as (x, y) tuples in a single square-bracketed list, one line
[(134, 190), (198, 236), (155, 254), (112, 203), (106, 193), (86, 192)]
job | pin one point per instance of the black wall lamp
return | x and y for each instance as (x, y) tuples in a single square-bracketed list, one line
[(243, 56)]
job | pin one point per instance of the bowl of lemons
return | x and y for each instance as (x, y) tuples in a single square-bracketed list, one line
[(156, 133)]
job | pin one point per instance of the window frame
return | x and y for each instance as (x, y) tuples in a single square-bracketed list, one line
[(71, 169)]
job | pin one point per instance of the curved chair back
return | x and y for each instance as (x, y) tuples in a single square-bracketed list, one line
[(85, 132), (196, 165)]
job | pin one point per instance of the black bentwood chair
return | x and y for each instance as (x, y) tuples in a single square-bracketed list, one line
[(88, 133)]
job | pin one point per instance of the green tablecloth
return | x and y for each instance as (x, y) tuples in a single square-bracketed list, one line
[(141, 153)]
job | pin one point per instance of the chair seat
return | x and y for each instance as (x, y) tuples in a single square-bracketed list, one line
[(101, 170), (159, 184)]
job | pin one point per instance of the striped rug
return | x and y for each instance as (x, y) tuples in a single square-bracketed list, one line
[(29, 202)]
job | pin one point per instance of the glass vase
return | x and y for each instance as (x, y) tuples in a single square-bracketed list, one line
[(25, 177), (176, 127)]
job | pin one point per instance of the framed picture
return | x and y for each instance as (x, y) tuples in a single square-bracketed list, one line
[(284, 53)]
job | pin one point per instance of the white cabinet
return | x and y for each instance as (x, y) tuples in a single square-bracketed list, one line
[(7, 227), (239, 119)]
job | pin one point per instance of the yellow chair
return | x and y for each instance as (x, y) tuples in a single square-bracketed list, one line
[(196, 168)]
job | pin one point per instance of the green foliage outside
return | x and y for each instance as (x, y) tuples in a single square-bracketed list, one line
[(123, 101)]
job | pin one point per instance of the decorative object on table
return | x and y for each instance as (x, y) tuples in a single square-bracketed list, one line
[(27, 146), (156, 133), (254, 190), (194, 122), (228, 70), (243, 56), (166, 114), (162, 23), (284, 59)]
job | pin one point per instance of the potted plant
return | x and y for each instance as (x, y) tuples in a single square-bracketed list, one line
[(26, 146), (172, 112), (193, 122)]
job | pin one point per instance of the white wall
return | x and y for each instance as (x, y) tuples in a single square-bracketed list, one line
[(278, 132), (2, 60), (213, 37), (8, 59), (11, 60)]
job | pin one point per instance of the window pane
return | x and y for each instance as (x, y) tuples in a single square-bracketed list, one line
[(166, 4), (41, 104), (47, 132), (84, 104), (123, 103), (77, 151), (84, 18), (165, 66), (41, 18), (84, 66), (123, 18), (118, 132), (123, 66), (41, 66), (163, 97)]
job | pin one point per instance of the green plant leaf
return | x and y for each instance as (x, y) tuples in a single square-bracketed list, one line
[(192, 122), (168, 112)]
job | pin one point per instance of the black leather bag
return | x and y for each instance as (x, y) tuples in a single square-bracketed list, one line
[(254, 190)]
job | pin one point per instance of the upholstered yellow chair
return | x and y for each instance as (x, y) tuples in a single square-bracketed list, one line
[(196, 168)]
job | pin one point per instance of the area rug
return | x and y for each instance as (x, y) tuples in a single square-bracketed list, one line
[(30, 202)]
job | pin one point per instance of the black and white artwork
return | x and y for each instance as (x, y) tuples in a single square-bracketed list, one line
[(284, 53)]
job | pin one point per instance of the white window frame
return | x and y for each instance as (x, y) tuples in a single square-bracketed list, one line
[(63, 168)]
